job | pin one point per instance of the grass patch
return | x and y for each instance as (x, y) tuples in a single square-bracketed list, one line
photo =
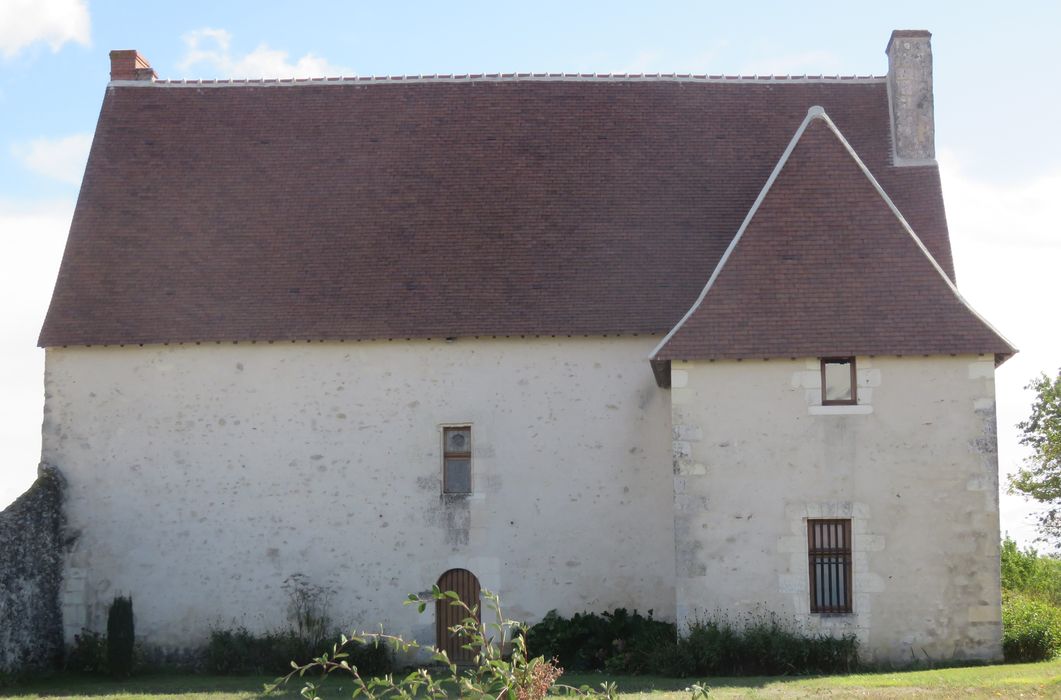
[(163, 686), (1038, 680)]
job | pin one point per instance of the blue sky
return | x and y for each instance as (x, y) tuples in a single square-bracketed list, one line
[(997, 105)]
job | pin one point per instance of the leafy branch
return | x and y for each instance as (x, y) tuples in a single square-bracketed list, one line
[(1040, 477), (501, 668)]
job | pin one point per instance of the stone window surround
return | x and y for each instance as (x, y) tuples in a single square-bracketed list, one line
[(482, 459), (810, 381), (795, 578), (849, 375)]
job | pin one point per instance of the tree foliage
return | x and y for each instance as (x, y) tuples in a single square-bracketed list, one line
[(1040, 477), (1031, 574)]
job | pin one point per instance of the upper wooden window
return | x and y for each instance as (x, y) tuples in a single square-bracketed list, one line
[(839, 381), (457, 459), (829, 551)]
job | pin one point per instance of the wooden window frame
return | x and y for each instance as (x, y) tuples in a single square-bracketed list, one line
[(844, 553), (854, 381), (446, 456)]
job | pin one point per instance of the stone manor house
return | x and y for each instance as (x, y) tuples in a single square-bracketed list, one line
[(674, 342)]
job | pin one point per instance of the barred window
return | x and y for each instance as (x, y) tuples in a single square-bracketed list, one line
[(457, 460), (829, 548)]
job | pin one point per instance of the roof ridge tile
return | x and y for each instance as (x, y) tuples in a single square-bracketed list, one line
[(499, 77)]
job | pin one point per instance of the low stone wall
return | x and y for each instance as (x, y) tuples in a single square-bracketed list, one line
[(31, 572)]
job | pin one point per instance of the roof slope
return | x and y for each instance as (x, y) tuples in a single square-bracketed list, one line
[(434, 208), (825, 265)]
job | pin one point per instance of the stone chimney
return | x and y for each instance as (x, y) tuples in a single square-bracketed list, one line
[(127, 64), (910, 93)]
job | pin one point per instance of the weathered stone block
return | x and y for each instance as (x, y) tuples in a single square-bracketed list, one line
[(689, 433), (985, 613)]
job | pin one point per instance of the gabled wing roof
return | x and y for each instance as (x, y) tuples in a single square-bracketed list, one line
[(825, 265), (432, 208)]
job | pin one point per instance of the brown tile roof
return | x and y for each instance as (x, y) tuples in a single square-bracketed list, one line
[(825, 266), (413, 209)]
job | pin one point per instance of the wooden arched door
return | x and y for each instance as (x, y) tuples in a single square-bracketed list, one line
[(465, 585)]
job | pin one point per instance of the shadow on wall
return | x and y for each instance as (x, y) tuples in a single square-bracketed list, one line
[(31, 574)]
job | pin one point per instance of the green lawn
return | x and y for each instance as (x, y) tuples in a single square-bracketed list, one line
[(1042, 680)]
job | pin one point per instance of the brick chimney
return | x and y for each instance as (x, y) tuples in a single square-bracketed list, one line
[(910, 94), (127, 64)]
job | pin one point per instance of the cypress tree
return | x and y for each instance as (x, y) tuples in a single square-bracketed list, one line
[(120, 637)]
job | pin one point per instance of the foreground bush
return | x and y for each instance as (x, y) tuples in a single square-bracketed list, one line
[(1031, 629), (237, 651), (616, 642), (619, 642), (762, 645), (499, 671), (115, 653), (88, 653)]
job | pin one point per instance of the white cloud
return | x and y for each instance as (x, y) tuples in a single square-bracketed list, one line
[(32, 238), (62, 159), (210, 49), (802, 63), (1007, 251), (55, 22)]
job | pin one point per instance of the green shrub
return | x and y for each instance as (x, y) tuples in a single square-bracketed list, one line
[(307, 636), (758, 645), (616, 642), (238, 651), (1031, 604), (120, 637), (88, 653), (619, 642), (1030, 573), (1031, 628), (501, 670)]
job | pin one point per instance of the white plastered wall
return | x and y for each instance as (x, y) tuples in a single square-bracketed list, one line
[(201, 477), (914, 466)]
